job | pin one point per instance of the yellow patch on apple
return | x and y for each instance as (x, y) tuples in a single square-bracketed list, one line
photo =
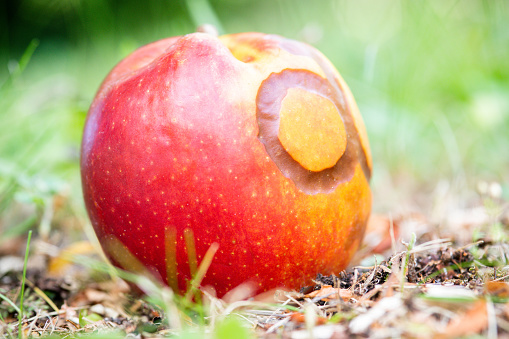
[(316, 141)]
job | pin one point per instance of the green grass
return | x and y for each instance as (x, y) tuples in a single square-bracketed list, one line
[(22, 293)]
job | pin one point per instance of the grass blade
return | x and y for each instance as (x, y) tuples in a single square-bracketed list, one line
[(7, 300), (404, 267), (191, 251), (22, 64), (170, 243), (20, 313), (200, 274)]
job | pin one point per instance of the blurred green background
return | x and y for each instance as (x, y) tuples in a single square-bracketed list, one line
[(431, 79)]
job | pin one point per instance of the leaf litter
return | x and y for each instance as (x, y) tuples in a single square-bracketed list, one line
[(435, 285)]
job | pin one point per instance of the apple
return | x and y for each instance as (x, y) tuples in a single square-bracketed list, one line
[(251, 141)]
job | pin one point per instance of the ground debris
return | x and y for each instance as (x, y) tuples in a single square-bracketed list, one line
[(441, 288), (445, 265), (436, 287)]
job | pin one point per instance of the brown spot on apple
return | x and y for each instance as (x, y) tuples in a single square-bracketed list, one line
[(294, 156)]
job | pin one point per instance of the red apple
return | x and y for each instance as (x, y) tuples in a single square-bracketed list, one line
[(252, 141)]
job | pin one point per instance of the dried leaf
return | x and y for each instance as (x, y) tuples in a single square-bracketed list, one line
[(472, 321), (498, 289), (58, 266), (300, 317), (327, 293)]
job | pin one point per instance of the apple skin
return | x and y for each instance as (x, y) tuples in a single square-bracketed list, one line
[(187, 133)]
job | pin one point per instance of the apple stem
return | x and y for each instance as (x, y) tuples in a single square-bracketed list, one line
[(208, 29)]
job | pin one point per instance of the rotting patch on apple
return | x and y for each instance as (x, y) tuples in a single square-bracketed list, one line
[(252, 141)]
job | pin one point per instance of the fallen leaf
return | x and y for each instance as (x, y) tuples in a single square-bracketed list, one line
[(59, 264), (472, 321), (327, 293), (300, 317), (498, 289)]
